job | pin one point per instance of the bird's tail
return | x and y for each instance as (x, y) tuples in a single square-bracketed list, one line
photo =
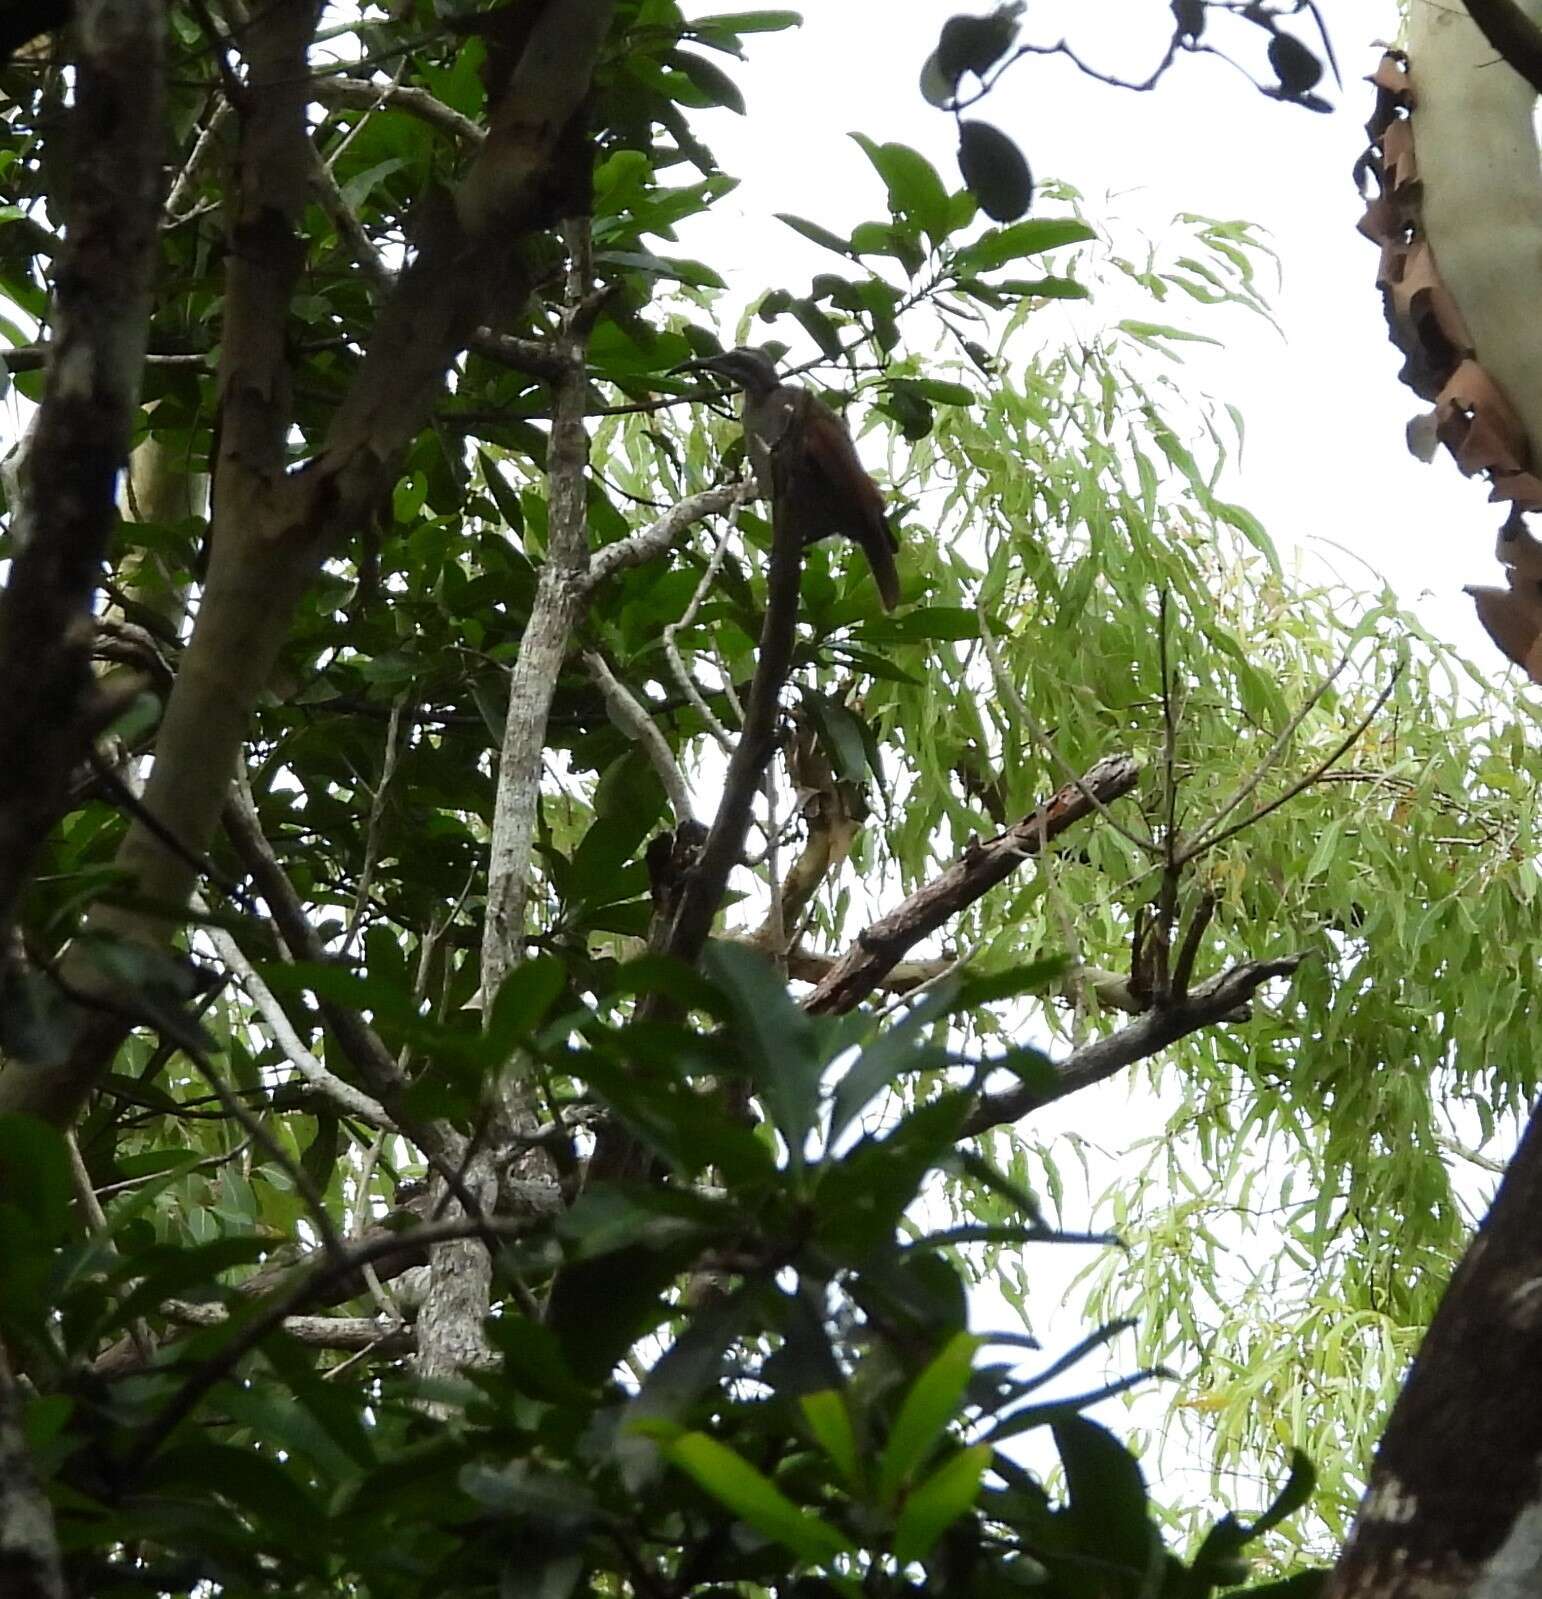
[(878, 545)]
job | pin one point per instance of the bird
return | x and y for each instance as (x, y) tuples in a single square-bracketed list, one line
[(825, 489)]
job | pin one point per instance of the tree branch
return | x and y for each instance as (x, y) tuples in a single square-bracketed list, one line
[(1222, 998), (628, 714), (29, 1546), (561, 593), (50, 707), (664, 533), (704, 886), (367, 95), (981, 867)]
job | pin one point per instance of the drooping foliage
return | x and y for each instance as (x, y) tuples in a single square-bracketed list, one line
[(727, 1345)]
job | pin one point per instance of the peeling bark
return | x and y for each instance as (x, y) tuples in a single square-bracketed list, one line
[(1454, 1504)]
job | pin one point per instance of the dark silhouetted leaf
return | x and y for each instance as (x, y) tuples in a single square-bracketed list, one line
[(995, 170), (1298, 70)]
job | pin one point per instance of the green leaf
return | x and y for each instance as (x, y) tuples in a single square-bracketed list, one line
[(898, 1051), (1294, 1496), (753, 1498), (840, 736), (989, 988), (937, 391), (976, 44), (995, 170), (1032, 237), (523, 999), (932, 1403), (534, 1362), (915, 190), (933, 1506), (1303, 1585), (815, 234), (710, 78), (750, 21), (862, 1198), (683, 1374), (819, 328), (1108, 1507), (830, 1422), (776, 1036), (927, 622), (1152, 333)]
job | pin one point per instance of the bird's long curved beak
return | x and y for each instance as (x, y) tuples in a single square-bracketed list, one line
[(701, 364)]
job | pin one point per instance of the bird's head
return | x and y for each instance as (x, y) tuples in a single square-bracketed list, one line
[(748, 368)]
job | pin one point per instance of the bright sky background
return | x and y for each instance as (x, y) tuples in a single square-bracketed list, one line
[(1325, 461), (1325, 467)]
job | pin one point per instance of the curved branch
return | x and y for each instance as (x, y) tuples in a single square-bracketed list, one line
[(1223, 999)]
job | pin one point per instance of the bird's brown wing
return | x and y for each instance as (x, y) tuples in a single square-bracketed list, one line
[(858, 507)]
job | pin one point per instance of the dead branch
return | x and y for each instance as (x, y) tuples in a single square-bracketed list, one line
[(981, 867)]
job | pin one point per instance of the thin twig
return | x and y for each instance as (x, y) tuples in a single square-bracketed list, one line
[(630, 716), (1340, 750), (376, 811), (1261, 771), (354, 1101), (688, 616)]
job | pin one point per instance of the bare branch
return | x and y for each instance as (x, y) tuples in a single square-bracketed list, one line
[(368, 95), (983, 865), (561, 593), (635, 722), (352, 1101), (707, 880), (666, 532), (1223, 999)]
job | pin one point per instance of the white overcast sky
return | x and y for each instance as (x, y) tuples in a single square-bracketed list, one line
[(1325, 461)]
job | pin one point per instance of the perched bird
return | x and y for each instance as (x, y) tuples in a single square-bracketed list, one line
[(825, 488)]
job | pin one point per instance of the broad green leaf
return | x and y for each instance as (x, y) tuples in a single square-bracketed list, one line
[(1033, 237), (754, 1498), (1108, 1494), (995, 170), (830, 1422), (934, 1505), (814, 233), (930, 1405), (915, 190), (778, 1039), (710, 78), (750, 21)]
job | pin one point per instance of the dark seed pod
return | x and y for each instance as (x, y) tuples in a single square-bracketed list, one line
[(1294, 65), (995, 171), (975, 44)]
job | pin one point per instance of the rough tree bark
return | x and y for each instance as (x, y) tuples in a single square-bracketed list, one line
[(1454, 1503), (80, 439)]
